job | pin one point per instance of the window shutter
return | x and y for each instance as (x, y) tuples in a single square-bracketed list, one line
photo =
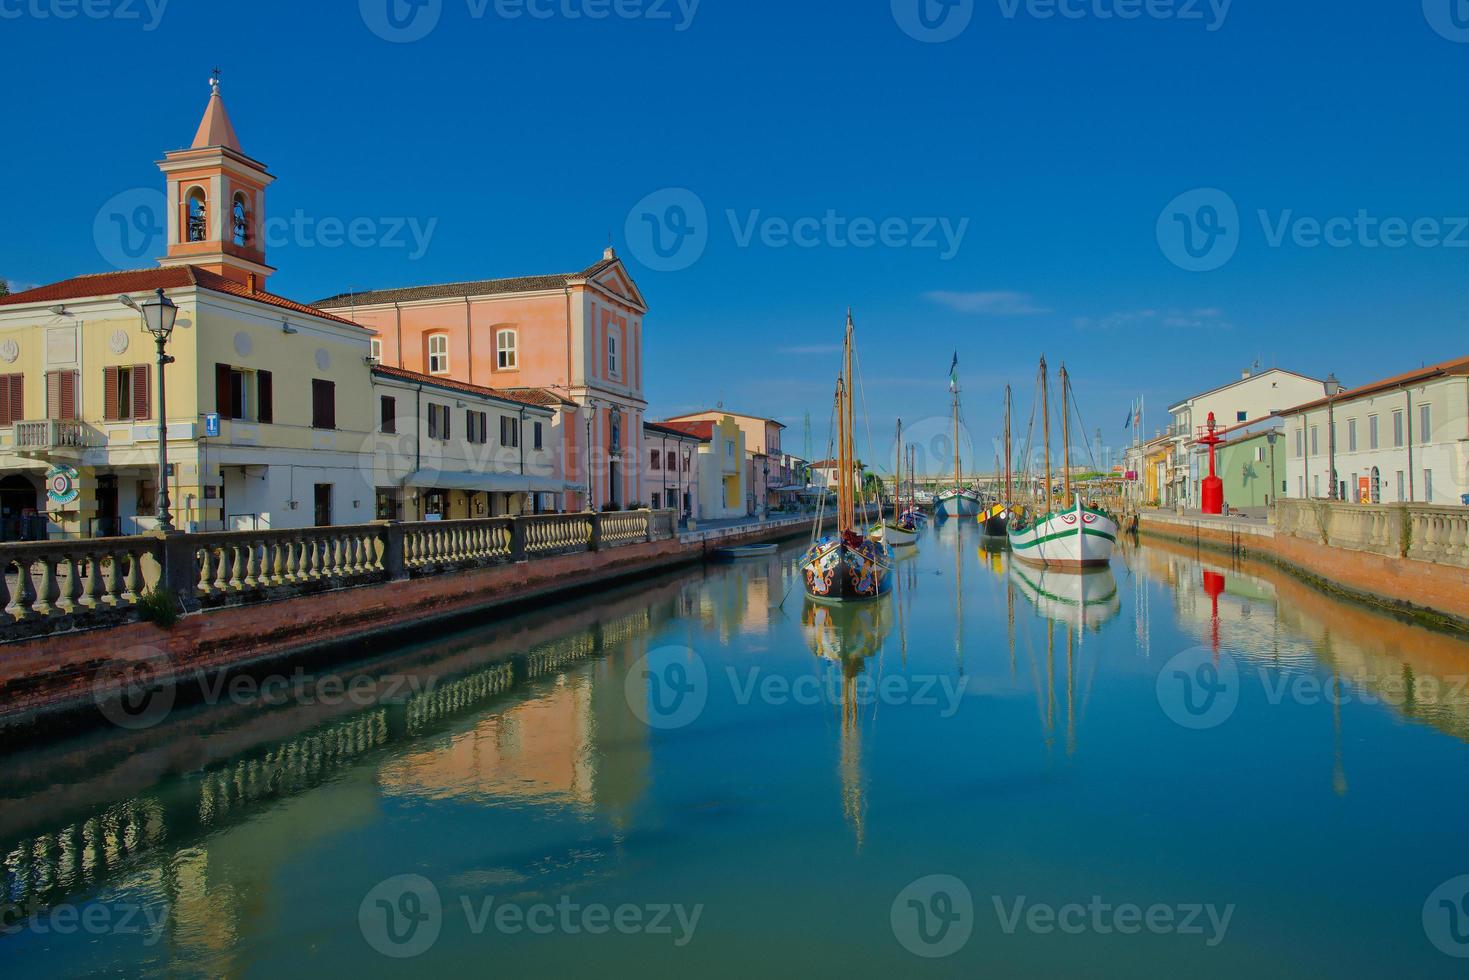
[(109, 394), (265, 395), (142, 396), (222, 390), (433, 421), (12, 395), (67, 394), (447, 425)]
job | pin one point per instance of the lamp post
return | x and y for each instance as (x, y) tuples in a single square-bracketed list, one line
[(1333, 388), (589, 412), (1270, 437), (159, 315)]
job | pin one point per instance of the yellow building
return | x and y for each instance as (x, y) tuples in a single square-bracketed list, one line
[(286, 387)]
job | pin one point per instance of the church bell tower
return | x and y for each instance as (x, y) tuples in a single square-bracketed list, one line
[(216, 201)]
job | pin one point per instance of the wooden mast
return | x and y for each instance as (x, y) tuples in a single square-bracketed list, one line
[(1009, 477), (845, 497), (1046, 412), (898, 477), (958, 466), (1066, 434)]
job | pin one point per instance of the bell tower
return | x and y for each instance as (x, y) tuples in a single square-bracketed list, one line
[(216, 201)]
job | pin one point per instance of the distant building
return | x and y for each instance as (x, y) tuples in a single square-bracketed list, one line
[(1252, 464), (1253, 396), (672, 468), (722, 486), (771, 479), (1401, 439)]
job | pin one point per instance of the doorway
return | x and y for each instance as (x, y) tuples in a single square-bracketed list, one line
[(21, 513), (323, 505), (106, 524)]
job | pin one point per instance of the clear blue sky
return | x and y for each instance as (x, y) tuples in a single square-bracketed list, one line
[(1059, 140)]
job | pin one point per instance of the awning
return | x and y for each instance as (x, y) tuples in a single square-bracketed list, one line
[(486, 482)]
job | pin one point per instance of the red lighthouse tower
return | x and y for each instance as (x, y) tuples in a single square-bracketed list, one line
[(1213, 488)]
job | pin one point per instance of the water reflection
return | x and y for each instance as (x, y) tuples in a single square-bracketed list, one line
[(527, 729)]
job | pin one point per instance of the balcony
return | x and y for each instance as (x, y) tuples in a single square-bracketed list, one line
[(54, 437)]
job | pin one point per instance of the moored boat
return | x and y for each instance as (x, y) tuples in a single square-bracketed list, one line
[(901, 531), (846, 566)]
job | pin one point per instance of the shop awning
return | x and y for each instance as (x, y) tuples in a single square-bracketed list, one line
[(486, 482)]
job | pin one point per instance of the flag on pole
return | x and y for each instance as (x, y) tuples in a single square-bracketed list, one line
[(1131, 414), (954, 373)]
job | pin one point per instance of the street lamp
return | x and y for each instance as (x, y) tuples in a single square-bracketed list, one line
[(1270, 437), (1333, 388), (159, 315), (589, 412)]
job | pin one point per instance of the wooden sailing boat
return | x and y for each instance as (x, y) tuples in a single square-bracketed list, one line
[(996, 520), (1074, 536), (957, 501), (901, 531), (848, 565)]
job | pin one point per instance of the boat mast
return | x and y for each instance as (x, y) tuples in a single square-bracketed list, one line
[(898, 477), (958, 467), (1066, 433), (1009, 479), (1046, 412), (846, 501)]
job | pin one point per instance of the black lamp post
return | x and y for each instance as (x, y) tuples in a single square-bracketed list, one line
[(159, 315), (1333, 388), (1270, 437)]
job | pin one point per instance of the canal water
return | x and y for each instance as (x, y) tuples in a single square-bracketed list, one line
[(1178, 766)]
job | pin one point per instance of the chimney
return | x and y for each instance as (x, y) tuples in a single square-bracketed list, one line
[(252, 284), (609, 253), (1245, 375)]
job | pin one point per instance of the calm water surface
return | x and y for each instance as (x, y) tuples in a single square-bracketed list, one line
[(1180, 766)]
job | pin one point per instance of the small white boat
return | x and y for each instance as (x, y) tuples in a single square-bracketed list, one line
[(895, 535), (746, 551)]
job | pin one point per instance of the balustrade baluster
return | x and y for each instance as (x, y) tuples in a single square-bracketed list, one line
[(112, 587), (133, 585), (47, 593), (91, 583)]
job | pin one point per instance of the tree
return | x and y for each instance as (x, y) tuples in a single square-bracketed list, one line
[(4, 286)]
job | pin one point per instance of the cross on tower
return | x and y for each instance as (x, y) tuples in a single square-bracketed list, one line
[(214, 79)]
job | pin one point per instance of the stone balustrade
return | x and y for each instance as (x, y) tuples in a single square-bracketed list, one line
[(1425, 532), (54, 586)]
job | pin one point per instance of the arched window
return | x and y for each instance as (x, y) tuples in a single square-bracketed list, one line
[(612, 353), (505, 350), (240, 222), (438, 353), (196, 218)]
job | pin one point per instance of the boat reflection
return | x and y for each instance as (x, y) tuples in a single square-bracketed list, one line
[(847, 637), (1085, 599)]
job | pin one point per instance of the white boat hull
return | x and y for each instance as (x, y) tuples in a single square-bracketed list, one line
[(959, 503), (896, 537), (1075, 538), (1086, 598)]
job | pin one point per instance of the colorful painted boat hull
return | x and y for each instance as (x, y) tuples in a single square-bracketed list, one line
[(1075, 538), (836, 571), (958, 503), (995, 522)]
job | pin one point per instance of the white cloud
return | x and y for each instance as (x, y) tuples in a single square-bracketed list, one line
[(997, 303), (1195, 319)]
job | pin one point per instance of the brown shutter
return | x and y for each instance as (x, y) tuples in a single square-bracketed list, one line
[(265, 391), (11, 410), (142, 392), (61, 395), (222, 390), (18, 397), (323, 404), (109, 394)]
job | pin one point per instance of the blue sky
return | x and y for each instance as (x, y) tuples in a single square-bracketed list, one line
[(1073, 159)]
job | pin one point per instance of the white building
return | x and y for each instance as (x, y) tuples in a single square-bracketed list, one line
[(447, 450), (1253, 396), (1403, 439)]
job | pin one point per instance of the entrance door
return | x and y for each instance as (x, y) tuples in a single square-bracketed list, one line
[(614, 486), (323, 505), (20, 505), (106, 524)]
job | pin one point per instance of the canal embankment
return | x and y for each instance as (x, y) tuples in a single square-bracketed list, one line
[(74, 636), (1410, 558)]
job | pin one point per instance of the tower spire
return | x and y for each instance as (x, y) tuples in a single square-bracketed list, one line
[(215, 129)]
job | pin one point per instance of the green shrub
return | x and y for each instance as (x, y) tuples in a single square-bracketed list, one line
[(158, 606)]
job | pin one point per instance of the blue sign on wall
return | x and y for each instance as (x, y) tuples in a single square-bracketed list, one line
[(211, 425)]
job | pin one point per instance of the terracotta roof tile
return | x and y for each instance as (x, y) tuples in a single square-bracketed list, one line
[(460, 290), (1457, 366), (674, 430), (704, 429), (110, 284)]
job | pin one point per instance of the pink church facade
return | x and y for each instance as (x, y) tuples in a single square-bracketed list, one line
[(576, 335)]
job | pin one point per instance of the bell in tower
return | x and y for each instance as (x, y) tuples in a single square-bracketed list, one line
[(216, 200)]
